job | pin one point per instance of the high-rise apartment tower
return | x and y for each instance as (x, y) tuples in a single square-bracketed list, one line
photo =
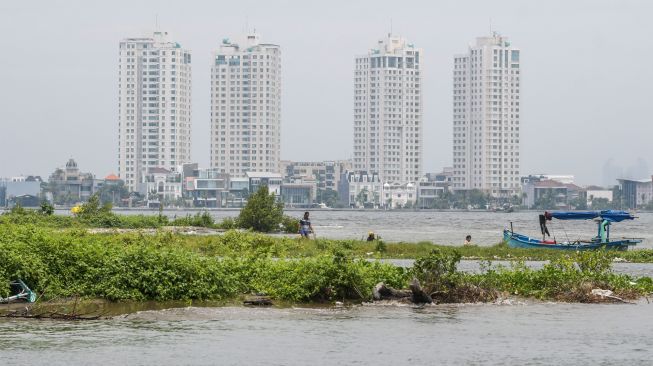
[(246, 106), (388, 131), (154, 106), (486, 110)]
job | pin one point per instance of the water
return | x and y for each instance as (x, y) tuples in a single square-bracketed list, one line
[(513, 334), (448, 228)]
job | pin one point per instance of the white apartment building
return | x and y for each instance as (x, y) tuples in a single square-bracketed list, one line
[(388, 111), (154, 106), (486, 84), (246, 107)]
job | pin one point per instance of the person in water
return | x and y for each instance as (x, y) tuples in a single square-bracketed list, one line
[(305, 228), (468, 240), (371, 236)]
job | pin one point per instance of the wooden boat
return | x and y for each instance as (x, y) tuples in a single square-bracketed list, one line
[(601, 241)]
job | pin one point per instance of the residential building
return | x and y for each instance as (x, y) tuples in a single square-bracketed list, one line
[(552, 194), (399, 195), (207, 187), (594, 192), (161, 185), (636, 193), (432, 186), (24, 191), (325, 174), (154, 106), (360, 189), (486, 117), (388, 134), (271, 180), (69, 185), (298, 194), (238, 192), (246, 106)]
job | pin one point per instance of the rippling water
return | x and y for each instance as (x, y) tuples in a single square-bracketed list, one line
[(449, 228), (516, 334)]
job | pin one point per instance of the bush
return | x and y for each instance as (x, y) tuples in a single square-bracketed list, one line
[(156, 267), (290, 224), (437, 271), (262, 212), (228, 223), (203, 219)]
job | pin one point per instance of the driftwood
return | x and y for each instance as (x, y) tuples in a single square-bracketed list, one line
[(415, 293), (383, 292), (419, 296), (258, 299)]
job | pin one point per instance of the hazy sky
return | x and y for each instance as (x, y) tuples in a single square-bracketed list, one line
[(587, 74)]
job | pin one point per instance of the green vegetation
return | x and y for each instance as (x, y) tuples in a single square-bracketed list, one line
[(167, 266), (568, 278), (160, 267), (262, 213)]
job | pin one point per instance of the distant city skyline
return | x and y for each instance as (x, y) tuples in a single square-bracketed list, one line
[(586, 95)]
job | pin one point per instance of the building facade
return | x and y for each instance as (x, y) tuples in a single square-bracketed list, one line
[(636, 193), (388, 131), (246, 106), (360, 189), (69, 185), (154, 99), (206, 187), (325, 174), (486, 117)]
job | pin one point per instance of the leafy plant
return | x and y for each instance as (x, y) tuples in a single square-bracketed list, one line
[(262, 212)]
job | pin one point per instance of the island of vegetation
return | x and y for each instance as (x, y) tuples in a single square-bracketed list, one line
[(59, 256)]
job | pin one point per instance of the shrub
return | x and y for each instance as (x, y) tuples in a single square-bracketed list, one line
[(290, 224), (203, 219), (262, 212)]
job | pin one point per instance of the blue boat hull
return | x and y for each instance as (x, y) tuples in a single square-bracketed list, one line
[(515, 240)]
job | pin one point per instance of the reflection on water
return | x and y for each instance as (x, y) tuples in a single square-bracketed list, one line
[(533, 334)]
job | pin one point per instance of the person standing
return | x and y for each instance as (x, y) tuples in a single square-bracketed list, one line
[(305, 228)]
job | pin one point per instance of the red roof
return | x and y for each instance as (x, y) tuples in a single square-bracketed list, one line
[(112, 177)]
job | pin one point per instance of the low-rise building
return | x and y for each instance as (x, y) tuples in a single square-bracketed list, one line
[(238, 192), (551, 194), (298, 194), (594, 192), (326, 174), (399, 195), (636, 193), (432, 186), (24, 191), (360, 189), (207, 187), (161, 185), (269, 179), (69, 185)]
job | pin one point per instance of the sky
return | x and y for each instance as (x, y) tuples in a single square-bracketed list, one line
[(587, 79)]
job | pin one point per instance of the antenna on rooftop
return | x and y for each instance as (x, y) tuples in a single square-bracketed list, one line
[(156, 22), (491, 33), (390, 26)]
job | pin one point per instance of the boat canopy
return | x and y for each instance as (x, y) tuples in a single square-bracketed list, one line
[(610, 215)]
